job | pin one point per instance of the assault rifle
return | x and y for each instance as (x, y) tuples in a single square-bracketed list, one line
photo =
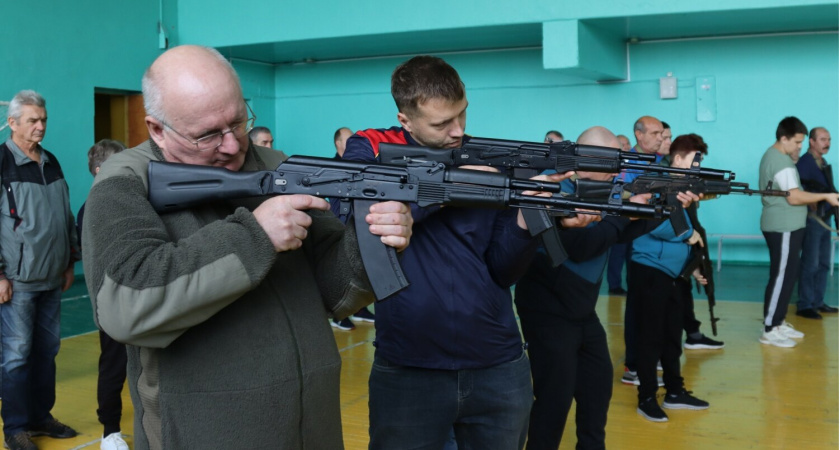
[(665, 190), (526, 159), (702, 262), (177, 186), (816, 186), (537, 157)]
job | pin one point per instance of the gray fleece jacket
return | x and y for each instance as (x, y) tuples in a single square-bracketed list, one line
[(229, 341)]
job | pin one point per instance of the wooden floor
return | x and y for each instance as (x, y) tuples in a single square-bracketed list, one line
[(761, 397)]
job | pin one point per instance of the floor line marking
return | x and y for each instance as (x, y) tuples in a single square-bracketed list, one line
[(87, 444), (354, 345), (80, 334)]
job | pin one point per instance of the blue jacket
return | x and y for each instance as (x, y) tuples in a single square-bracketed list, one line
[(458, 311), (628, 175), (663, 250)]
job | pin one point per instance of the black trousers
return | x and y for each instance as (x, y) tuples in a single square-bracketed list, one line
[(784, 271), (660, 301), (690, 324), (112, 366), (569, 360)]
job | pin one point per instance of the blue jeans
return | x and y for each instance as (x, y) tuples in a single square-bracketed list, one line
[(417, 408), (814, 265), (30, 337)]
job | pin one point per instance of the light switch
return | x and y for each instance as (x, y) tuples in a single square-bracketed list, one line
[(668, 87)]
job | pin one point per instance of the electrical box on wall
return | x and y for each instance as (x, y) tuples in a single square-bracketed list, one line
[(706, 99), (668, 87)]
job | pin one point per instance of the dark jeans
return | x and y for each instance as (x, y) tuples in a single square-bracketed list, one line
[(659, 321), (417, 408), (784, 269), (112, 366), (814, 265), (30, 336), (569, 360)]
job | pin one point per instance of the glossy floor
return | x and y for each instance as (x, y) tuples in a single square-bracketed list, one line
[(761, 397)]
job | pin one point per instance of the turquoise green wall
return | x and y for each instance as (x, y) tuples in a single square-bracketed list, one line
[(75, 47), (759, 80), (216, 23), (258, 89), (65, 51)]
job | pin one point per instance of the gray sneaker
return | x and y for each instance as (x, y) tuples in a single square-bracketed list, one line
[(630, 377)]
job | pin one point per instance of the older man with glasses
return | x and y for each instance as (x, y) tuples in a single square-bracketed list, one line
[(224, 306)]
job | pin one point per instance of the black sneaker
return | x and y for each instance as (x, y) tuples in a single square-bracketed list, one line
[(684, 400), (809, 313), (650, 410), (20, 441), (703, 342), (617, 291), (54, 429), (826, 309)]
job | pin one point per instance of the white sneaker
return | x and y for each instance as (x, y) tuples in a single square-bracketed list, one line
[(776, 337), (790, 332), (113, 441)]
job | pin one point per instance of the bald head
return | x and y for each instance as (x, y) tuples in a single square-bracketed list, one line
[(598, 136), (602, 137), (184, 72), (648, 131)]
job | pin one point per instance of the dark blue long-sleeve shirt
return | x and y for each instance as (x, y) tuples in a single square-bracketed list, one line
[(809, 171), (457, 312)]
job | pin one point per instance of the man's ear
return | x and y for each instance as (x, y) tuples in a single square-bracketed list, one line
[(155, 130), (404, 121)]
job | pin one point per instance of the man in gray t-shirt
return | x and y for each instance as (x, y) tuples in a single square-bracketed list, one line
[(783, 226)]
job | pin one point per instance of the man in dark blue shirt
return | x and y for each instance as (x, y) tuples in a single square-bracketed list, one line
[(448, 349), (816, 176)]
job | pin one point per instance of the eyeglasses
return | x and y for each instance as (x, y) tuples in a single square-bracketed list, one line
[(215, 140)]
